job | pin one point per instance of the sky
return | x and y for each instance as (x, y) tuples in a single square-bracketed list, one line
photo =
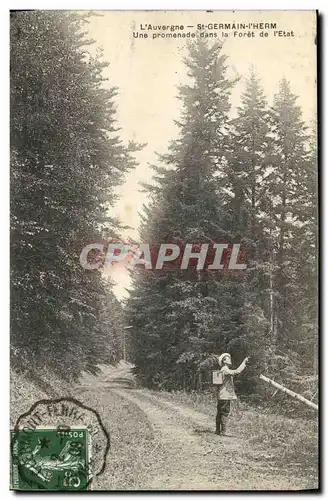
[(148, 71)]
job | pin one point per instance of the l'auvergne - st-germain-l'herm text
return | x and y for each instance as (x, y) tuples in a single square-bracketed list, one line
[(209, 26)]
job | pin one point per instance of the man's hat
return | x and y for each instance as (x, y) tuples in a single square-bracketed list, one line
[(222, 357)]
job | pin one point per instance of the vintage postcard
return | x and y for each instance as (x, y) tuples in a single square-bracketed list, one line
[(164, 251)]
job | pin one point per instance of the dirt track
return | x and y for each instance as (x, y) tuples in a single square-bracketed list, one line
[(184, 453)]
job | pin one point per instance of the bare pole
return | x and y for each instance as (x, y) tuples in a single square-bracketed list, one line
[(289, 392)]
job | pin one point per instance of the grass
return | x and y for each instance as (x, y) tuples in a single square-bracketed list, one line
[(24, 392), (288, 443), (133, 447), (270, 444), (132, 439)]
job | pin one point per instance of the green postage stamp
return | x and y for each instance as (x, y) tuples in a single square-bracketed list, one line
[(58, 445), (51, 459)]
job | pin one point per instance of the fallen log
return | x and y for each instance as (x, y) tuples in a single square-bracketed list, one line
[(289, 392)]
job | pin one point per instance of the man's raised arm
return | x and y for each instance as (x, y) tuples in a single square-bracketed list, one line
[(238, 370)]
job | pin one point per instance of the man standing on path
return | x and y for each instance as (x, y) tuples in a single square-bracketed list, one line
[(226, 390)]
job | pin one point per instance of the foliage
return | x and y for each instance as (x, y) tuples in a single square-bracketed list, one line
[(66, 159), (250, 179)]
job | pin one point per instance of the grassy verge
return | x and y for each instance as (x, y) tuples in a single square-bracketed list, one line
[(133, 446), (24, 392), (290, 443)]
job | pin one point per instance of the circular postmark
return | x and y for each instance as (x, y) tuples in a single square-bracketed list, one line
[(58, 445)]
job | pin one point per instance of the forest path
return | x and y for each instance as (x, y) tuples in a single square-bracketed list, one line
[(184, 452)]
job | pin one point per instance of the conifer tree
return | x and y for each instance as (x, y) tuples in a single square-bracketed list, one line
[(285, 190), (66, 160), (178, 318), (248, 161), (304, 250)]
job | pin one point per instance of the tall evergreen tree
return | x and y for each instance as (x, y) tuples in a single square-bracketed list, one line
[(248, 161), (66, 160), (304, 246), (178, 318), (286, 191)]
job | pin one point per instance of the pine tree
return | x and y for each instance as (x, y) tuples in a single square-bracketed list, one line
[(66, 160), (178, 318), (248, 161), (305, 259), (286, 192)]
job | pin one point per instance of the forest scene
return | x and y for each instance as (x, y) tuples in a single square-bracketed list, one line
[(244, 174)]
